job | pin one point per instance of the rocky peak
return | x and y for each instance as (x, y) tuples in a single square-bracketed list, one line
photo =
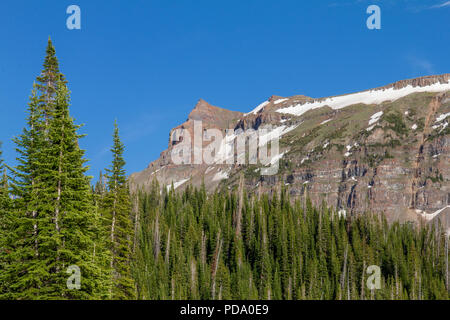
[(419, 82), (214, 116), (210, 117), (275, 98), (201, 109), (396, 163)]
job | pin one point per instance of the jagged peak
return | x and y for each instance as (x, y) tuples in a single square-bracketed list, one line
[(201, 103), (204, 108), (201, 107)]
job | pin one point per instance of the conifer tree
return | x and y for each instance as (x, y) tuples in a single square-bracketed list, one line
[(27, 185), (190, 244), (53, 218), (48, 80), (294, 253), (24, 269), (5, 230), (117, 210), (68, 201)]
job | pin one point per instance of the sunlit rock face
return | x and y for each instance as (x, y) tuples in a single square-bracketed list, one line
[(384, 150)]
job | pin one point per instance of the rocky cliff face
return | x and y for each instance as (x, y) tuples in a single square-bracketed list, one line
[(167, 172), (382, 150)]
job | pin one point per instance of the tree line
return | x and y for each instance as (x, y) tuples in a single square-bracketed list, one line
[(162, 244), (228, 245), (50, 218)]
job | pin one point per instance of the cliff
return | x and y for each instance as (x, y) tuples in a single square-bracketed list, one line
[(383, 150)]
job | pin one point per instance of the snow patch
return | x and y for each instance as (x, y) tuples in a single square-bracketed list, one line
[(375, 117), (430, 216), (323, 122), (280, 101), (368, 97), (227, 145), (442, 117), (276, 132), (221, 175), (276, 158), (443, 125), (258, 108), (157, 170), (342, 213), (177, 184)]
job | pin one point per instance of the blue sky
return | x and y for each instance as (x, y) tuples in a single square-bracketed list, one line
[(146, 63)]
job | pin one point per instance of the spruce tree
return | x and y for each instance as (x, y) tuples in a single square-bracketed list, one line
[(25, 270), (53, 215), (71, 223), (117, 210), (48, 80), (5, 230)]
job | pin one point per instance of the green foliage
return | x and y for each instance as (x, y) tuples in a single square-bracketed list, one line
[(337, 134), (252, 172), (189, 249), (191, 245), (51, 223), (116, 212), (437, 177), (5, 232), (396, 122)]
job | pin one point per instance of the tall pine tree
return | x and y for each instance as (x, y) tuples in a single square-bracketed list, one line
[(54, 217), (48, 80), (5, 230), (25, 270), (117, 211)]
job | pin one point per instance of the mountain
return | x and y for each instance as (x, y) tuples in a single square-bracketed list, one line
[(382, 150)]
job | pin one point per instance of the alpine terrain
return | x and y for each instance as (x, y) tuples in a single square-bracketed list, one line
[(384, 150)]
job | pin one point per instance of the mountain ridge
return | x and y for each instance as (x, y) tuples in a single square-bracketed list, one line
[(329, 134)]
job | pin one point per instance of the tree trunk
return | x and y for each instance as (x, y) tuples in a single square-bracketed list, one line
[(215, 265)]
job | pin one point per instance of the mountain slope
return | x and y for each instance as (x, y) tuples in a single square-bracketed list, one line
[(382, 150)]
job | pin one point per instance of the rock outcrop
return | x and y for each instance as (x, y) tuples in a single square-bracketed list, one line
[(382, 150)]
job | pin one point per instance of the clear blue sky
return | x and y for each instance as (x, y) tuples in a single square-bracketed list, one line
[(147, 62)]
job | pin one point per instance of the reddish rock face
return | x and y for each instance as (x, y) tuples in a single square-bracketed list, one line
[(392, 157)]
